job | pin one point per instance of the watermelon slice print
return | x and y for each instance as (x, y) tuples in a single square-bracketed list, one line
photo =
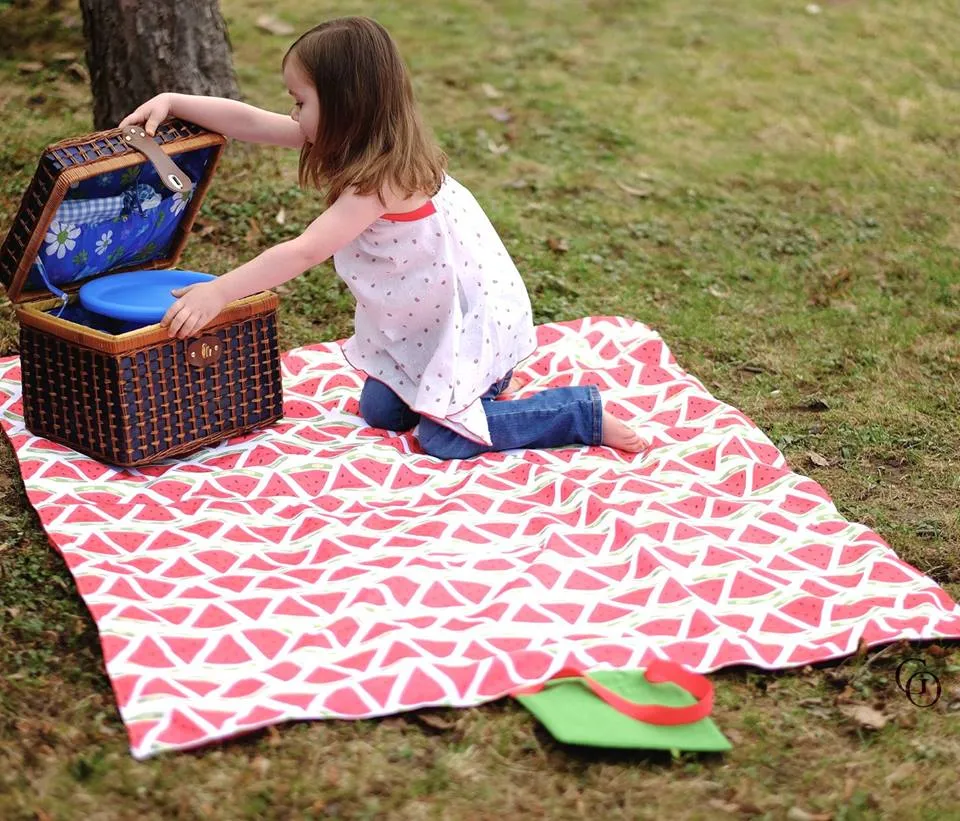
[(321, 568)]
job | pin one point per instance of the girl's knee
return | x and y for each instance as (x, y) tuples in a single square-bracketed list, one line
[(381, 408), (372, 411)]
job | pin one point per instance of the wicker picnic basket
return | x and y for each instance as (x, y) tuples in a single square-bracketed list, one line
[(118, 201)]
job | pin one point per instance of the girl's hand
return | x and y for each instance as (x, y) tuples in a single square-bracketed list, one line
[(197, 306), (153, 112)]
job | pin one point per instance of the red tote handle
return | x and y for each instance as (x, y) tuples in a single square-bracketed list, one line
[(699, 686)]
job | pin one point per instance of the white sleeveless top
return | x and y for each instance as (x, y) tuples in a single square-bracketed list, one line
[(442, 312)]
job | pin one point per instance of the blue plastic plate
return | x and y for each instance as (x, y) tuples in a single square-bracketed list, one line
[(137, 296)]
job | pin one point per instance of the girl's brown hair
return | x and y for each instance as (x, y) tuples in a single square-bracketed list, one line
[(370, 134)]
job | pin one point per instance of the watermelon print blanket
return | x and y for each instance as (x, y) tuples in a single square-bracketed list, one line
[(322, 569)]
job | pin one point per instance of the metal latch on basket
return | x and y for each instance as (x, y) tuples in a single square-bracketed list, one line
[(204, 351), (170, 174)]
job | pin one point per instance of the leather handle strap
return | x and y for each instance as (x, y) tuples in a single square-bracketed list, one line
[(659, 670), (170, 174)]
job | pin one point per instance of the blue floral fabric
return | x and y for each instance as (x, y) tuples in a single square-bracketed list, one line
[(113, 221)]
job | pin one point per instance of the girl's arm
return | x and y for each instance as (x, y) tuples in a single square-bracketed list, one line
[(342, 222), (240, 121)]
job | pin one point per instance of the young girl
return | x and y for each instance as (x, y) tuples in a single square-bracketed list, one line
[(442, 314)]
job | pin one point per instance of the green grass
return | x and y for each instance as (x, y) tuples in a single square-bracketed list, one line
[(775, 192)]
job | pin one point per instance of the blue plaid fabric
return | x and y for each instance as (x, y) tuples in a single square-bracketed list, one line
[(91, 211)]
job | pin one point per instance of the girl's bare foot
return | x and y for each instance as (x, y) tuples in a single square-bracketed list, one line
[(620, 436), (515, 384)]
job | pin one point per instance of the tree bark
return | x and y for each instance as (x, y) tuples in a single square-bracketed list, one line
[(137, 49)]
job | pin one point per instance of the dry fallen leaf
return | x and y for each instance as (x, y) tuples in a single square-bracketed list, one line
[(500, 114), (497, 149), (866, 717), (797, 814), (490, 92), (202, 228), (281, 216), (331, 775), (434, 721), (843, 143), (29, 68), (634, 192), (907, 720), (723, 806), (560, 246), (271, 25), (902, 772), (77, 71), (817, 459), (839, 280)]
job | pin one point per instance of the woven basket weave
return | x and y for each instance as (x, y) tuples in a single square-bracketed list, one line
[(138, 397)]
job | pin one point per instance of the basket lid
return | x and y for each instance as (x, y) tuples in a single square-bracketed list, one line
[(107, 202)]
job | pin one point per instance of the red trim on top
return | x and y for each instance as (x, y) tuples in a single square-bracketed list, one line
[(420, 213), (659, 670)]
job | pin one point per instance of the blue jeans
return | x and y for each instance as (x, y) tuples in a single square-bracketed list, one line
[(551, 418)]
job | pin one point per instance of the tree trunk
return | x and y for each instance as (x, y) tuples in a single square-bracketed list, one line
[(137, 49)]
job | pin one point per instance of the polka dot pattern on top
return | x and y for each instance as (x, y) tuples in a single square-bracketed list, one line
[(442, 311)]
